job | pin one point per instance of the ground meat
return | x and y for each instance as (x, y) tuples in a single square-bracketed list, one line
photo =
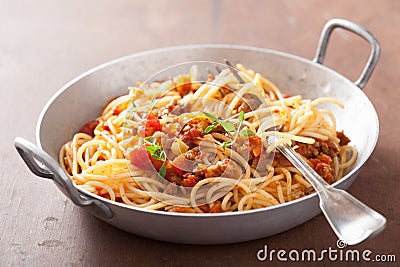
[(321, 164), (191, 136), (172, 176), (193, 155), (329, 147), (319, 157), (190, 179), (250, 103), (167, 109), (187, 162), (313, 150), (226, 168), (344, 140), (307, 150), (256, 145), (215, 170), (262, 163), (281, 161)]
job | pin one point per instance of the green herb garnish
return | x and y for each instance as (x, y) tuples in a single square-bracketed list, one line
[(247, 132), (226, 144), (150, 139), (156, 151), (211, 127), (241, 119), (241, 116), (211, 116), (228, 126), (163, 171), (131, 105)]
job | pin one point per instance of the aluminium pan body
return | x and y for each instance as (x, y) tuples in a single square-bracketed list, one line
[(81, 100)]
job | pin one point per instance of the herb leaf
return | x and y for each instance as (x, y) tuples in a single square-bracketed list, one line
[(156, 151), (247, 132), (131, 105), (152, 149), (158, 156), (226, 144), (163, 171), (150, 139), (241, 116), (211, 116), (209, 128), (228, 126)]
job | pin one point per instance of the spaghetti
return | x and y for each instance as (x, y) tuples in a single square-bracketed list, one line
[(182, 145)]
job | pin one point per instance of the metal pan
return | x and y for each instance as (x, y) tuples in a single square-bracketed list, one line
[(81, 100)]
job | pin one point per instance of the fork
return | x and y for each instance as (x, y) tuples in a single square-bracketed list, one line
[(351, 220)]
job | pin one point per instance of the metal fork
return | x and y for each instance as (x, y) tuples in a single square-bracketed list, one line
[(351, 220)]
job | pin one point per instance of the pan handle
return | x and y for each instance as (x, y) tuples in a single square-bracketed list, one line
[(360, 31), (41, 164)]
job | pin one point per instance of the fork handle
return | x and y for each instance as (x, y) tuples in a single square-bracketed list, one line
[(350, 219)]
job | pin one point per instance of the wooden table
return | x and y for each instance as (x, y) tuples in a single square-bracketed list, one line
[(44, 45)]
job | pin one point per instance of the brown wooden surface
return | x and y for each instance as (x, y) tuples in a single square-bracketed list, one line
[(45, 44)]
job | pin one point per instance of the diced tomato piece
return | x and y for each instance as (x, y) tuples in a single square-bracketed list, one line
[(216, 209), (89, 127), (323, 169), (182, 209), (152, 125), (116, 111), (314, 162), (325, 158), (141, 158), (178, 170), (156, 163), (256, 145)]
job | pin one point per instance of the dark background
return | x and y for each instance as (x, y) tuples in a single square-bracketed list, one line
[(44, 44)]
